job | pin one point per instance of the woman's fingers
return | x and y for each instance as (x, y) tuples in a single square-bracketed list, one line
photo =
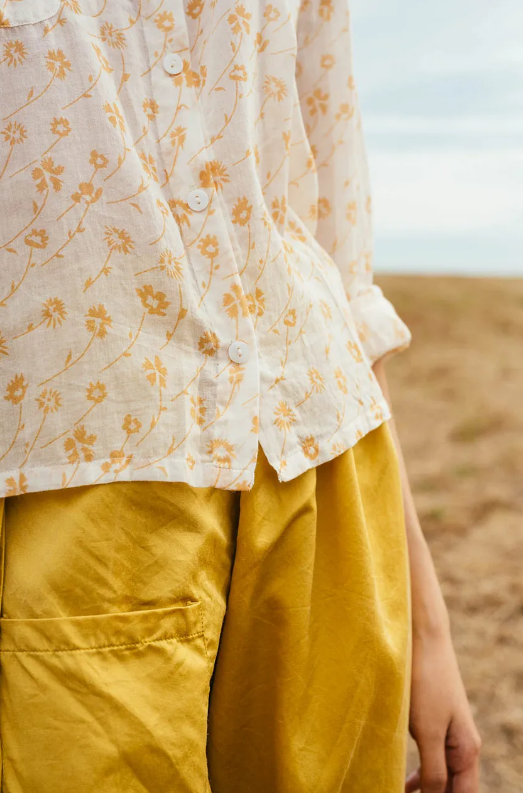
[(434, 774), (463, 756)]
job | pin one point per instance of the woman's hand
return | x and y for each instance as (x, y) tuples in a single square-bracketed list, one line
[(440, 721)]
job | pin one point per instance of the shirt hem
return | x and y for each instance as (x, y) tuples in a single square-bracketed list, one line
[(205, 473)]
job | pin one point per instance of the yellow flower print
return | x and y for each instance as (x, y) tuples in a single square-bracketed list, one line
[(271, 13), (14, 134), (86, 191), (327, 61), (208, 343), (114, 116), (74, 5), (198, 410), (296, 232), (180, 211), (164, 21), (188, 76), (324, 208), (317, 380), (209, 247), (191, 462), (53, 312), (345, 113), (195, 8), (16, 389), (238, 73), (326, 310), (236, 375), (317, 384), (96, 392), (310, 448), (79, 446), (284, 416), (119, 460), (326, 9), (49, 401), (341, 380), (355, 351), (15, 488), (156, 372), (150, 108), (154, 302), (274, 88), (131, 425), (279, 210), (98, 161), (170, 265), (37, 238), (256, 302), (377, 410), (61, 127), (318, 102), (290, 318), (235, 303), (255, 425), (46, 169), (148, 165), (118, 240), (104, 63), (98, 321), (214, 175), (241, 212), (15, 53), (178, 136), (261, 45), (352, 213), (4, 349), (112, 37), (222, 452), (58, 64), (239, 19), (4, 22)]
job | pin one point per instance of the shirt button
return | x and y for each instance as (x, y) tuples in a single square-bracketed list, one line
[(198, 200), (239, 352), (172, 63)]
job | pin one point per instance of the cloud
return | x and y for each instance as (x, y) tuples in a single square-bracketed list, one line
[(442, 100), (433, 192)]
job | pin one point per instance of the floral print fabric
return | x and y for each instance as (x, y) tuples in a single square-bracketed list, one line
[(174, 177)]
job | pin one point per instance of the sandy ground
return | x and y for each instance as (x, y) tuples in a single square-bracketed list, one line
[(458, 399)]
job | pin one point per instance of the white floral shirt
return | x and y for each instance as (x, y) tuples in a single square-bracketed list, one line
[(185, 243)]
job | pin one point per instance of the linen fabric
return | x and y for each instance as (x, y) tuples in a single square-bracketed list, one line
[(175, 177), (113, 603)]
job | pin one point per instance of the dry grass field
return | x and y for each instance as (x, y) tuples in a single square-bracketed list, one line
[(458, 400)]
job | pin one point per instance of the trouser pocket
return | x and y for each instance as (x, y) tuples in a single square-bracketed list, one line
[(111, 703)]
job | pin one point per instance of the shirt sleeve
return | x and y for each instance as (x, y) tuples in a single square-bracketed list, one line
[(342, 217)]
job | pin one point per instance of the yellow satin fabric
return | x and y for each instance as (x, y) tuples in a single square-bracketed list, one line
[(113, 604)]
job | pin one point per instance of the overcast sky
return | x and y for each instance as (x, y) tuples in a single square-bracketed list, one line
[(441, 88)]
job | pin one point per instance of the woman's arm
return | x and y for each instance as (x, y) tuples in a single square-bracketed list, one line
[(440, 718)]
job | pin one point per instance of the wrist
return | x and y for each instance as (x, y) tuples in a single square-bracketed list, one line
[(430, 617)]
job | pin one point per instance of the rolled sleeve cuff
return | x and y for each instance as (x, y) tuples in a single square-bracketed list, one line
[(382, 333)]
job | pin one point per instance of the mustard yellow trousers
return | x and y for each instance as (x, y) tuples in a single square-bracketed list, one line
[(158, 637)]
